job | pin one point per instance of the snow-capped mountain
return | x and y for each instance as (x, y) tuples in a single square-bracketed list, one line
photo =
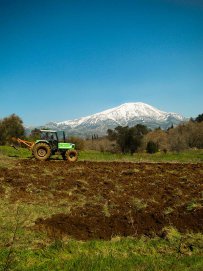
[(128, 114)]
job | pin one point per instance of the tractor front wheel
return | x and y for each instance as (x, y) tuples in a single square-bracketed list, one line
[(42, 151), (71, 155)]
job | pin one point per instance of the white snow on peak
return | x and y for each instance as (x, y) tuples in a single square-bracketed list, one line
[(122, 114), (129, 110)]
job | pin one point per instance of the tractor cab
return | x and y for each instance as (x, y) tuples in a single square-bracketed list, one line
[(50, 137)]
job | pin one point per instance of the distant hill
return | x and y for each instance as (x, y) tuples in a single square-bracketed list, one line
[(126, 114)]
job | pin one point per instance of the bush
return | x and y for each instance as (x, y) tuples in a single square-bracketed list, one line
[(102, 144), (79, 142), (152, 147)]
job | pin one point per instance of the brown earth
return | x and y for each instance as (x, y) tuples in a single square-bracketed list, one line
[(105, 199)]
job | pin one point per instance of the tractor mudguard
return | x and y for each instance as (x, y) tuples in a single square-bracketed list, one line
[(42, 141)]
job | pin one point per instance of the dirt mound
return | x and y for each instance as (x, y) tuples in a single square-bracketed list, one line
[(91, 223)]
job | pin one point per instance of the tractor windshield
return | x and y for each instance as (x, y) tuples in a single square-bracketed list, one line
[(61, 136), (48, 136)]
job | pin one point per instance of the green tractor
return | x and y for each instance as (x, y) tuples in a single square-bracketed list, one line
[(50, 143)]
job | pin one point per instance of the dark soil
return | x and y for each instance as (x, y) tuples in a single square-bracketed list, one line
[(106, 199)]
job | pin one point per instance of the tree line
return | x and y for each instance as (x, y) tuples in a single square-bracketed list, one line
[(184, 136), (122, 139)]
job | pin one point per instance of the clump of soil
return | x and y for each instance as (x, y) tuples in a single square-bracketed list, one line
[(90, 223)]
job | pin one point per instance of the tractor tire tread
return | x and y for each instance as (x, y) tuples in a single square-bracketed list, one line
[(45, 150), (71, 156)]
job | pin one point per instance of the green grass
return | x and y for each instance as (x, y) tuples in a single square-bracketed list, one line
[(190, 156), (119, 254), (11, 152), (24, 249)]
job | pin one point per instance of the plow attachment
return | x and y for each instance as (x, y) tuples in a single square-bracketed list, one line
[(28, 144)]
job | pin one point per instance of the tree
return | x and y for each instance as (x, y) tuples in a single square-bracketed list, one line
[(11, 126), (152, 147), (187, 135), (195, 134), (199, 118), (177, 138), (128, 139)]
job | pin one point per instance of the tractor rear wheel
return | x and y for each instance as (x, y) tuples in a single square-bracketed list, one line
[(71, 155), (42, 151)]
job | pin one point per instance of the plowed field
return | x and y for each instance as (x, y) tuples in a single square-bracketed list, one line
[(104, 199)]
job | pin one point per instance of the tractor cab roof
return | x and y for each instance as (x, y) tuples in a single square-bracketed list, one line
[(48, 131), (51, 131)]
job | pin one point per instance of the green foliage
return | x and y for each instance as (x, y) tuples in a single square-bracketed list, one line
[(129, 139), (152, 147), (11, 126), (199, 118)]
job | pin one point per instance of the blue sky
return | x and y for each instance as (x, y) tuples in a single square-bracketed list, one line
[(65, 59)]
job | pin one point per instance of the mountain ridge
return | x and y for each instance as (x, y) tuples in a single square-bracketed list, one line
[(127, 114)]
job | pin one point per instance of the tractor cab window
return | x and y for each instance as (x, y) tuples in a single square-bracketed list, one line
[(61, 136), (44, 136), (48, 136)]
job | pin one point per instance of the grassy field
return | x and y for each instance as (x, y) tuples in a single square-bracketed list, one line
[(118, 254), (190, 156), (24, 249), (21, 249)]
